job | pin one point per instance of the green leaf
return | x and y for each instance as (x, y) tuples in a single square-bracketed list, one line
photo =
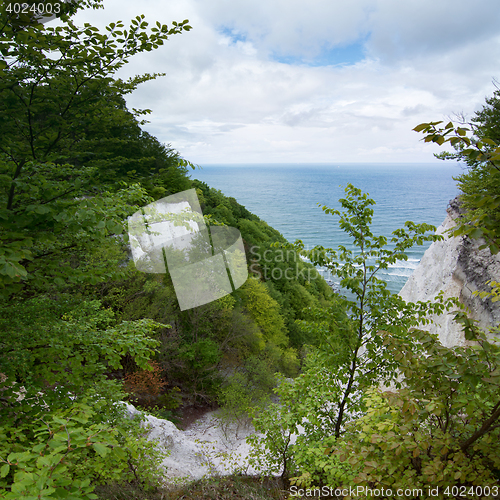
[(101, 449), (421, 127), (42, 209), (117, 229), (476, 233), (119, 453), (488, 141), (4, 470)]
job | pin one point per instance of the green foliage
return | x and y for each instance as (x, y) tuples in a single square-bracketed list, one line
[(190, 353), (74, 163), (272, 453), (480, 186), (202, 354), (347, 330), (298, 429), (46, 244), (64, 454), (15, 22), (319, 468), (442, 428), (64, 131), (361, 342), (292, 283), (265, 312), (252, 231), (57, 349), (61, 430), (238, 395), (494, 294)]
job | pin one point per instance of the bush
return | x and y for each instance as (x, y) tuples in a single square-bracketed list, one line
[(442, 429), (145, 386), (64, 454)]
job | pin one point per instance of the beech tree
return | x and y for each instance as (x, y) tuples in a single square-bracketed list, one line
[(477, 144), (436, 428), (60, 426), (348, 330), (349, 356), (57, 86)]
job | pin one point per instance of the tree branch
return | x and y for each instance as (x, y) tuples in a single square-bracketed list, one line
[(485, 428)]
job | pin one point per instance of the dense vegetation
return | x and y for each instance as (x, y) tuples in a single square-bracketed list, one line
[(82, 329), (438, 425)]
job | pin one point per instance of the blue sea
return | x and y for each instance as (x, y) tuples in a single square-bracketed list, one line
[(286, 196)]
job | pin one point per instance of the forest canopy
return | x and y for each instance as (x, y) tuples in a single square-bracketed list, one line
[(81, 329)]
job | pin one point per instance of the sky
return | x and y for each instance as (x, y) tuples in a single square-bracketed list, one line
[(310, 81)]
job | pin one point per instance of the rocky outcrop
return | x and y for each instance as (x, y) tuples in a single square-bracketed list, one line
[(456, 266), (208, 447)]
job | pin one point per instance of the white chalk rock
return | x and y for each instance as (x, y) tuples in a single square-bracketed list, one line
[(208, 447), (457, 267)]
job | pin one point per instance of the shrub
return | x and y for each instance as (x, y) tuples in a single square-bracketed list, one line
[(64, 454), (145, 386), (442, 429)]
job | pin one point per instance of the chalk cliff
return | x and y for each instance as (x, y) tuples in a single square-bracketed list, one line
[(210, 446), (456, 266)]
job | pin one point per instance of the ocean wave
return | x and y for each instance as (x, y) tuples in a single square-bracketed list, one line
[(405, 264), (405, 273)]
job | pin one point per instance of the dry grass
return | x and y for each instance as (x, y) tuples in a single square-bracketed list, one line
[(214, 488)]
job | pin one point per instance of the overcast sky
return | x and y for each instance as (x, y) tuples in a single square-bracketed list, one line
[(311, 80)]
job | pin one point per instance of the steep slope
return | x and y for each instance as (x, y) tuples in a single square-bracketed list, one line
[(456, 266)]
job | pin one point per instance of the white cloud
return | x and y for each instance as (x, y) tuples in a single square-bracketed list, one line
[(227, 99), (293, 27), (430, 28)]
